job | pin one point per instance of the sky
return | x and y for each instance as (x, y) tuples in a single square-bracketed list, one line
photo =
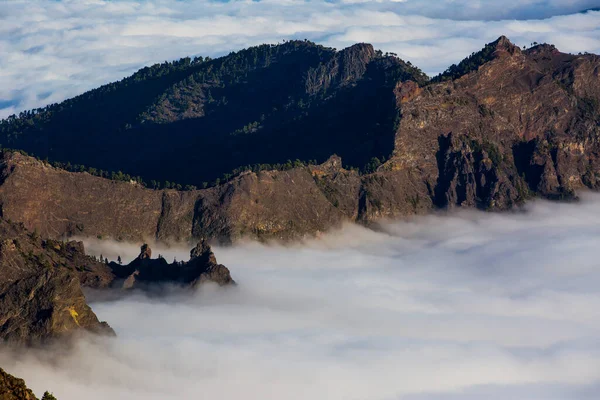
[(462, 306), (53, 50)]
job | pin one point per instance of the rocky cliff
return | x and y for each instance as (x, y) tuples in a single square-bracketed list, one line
[(40, 287), (524, 123), (41, 282)]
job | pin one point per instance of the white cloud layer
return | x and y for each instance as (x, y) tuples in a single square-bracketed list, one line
[(52, 50), (464, 306)]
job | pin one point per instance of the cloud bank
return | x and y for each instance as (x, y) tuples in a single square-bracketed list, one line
[(468, 305), (53, 50)]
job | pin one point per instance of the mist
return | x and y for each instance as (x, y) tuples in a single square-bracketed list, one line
[(462, 305)]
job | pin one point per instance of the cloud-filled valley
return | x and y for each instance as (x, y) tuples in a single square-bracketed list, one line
[(55, 50), (466, 305)]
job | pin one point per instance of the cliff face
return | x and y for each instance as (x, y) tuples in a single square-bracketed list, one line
[(55, 202), (46, 305), (40, 287), (268, 204), (502, 126), (526, 122)]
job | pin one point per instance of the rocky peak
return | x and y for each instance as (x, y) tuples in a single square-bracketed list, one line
[(203, 253), (202, 267), (354, 60), (505, 45), (500, 48), (346, 66), (145, 252)]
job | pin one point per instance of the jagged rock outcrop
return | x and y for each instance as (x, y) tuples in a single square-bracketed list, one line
[(345, 67), (472, 175), (12, 388), (201, 268), (40, 287)]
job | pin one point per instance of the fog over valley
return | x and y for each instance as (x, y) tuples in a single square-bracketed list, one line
[(461, 305)]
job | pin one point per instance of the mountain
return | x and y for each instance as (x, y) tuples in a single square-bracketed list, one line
[(524, 123), (504, 125), (191, 121), (40, 287)]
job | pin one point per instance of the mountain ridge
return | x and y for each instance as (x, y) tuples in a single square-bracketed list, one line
[(505, 125), (265, 104)]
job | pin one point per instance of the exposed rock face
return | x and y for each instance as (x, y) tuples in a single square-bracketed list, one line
[(264, 205), (344, 67), (40, 287), (201, 268), (49, 304), (526, 121), (505, 125), (12, 388), (57, 203), (24, 252), (469, 176)]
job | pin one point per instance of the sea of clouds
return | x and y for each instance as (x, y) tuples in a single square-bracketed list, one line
[(466, 305), (53, 50)]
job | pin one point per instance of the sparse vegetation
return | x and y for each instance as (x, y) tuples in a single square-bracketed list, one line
[(469, 64)]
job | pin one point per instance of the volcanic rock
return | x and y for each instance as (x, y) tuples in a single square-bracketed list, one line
[(40, 287), (201, 268)]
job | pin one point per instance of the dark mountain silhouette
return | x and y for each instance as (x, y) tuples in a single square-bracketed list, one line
[(201, 268), (191, 121)]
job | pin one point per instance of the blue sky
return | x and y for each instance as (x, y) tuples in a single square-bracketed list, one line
[(52, 50)]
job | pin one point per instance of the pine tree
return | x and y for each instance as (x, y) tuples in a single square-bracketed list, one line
[(48, 396)]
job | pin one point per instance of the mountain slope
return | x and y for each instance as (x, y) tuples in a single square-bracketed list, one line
[(194, 120)]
